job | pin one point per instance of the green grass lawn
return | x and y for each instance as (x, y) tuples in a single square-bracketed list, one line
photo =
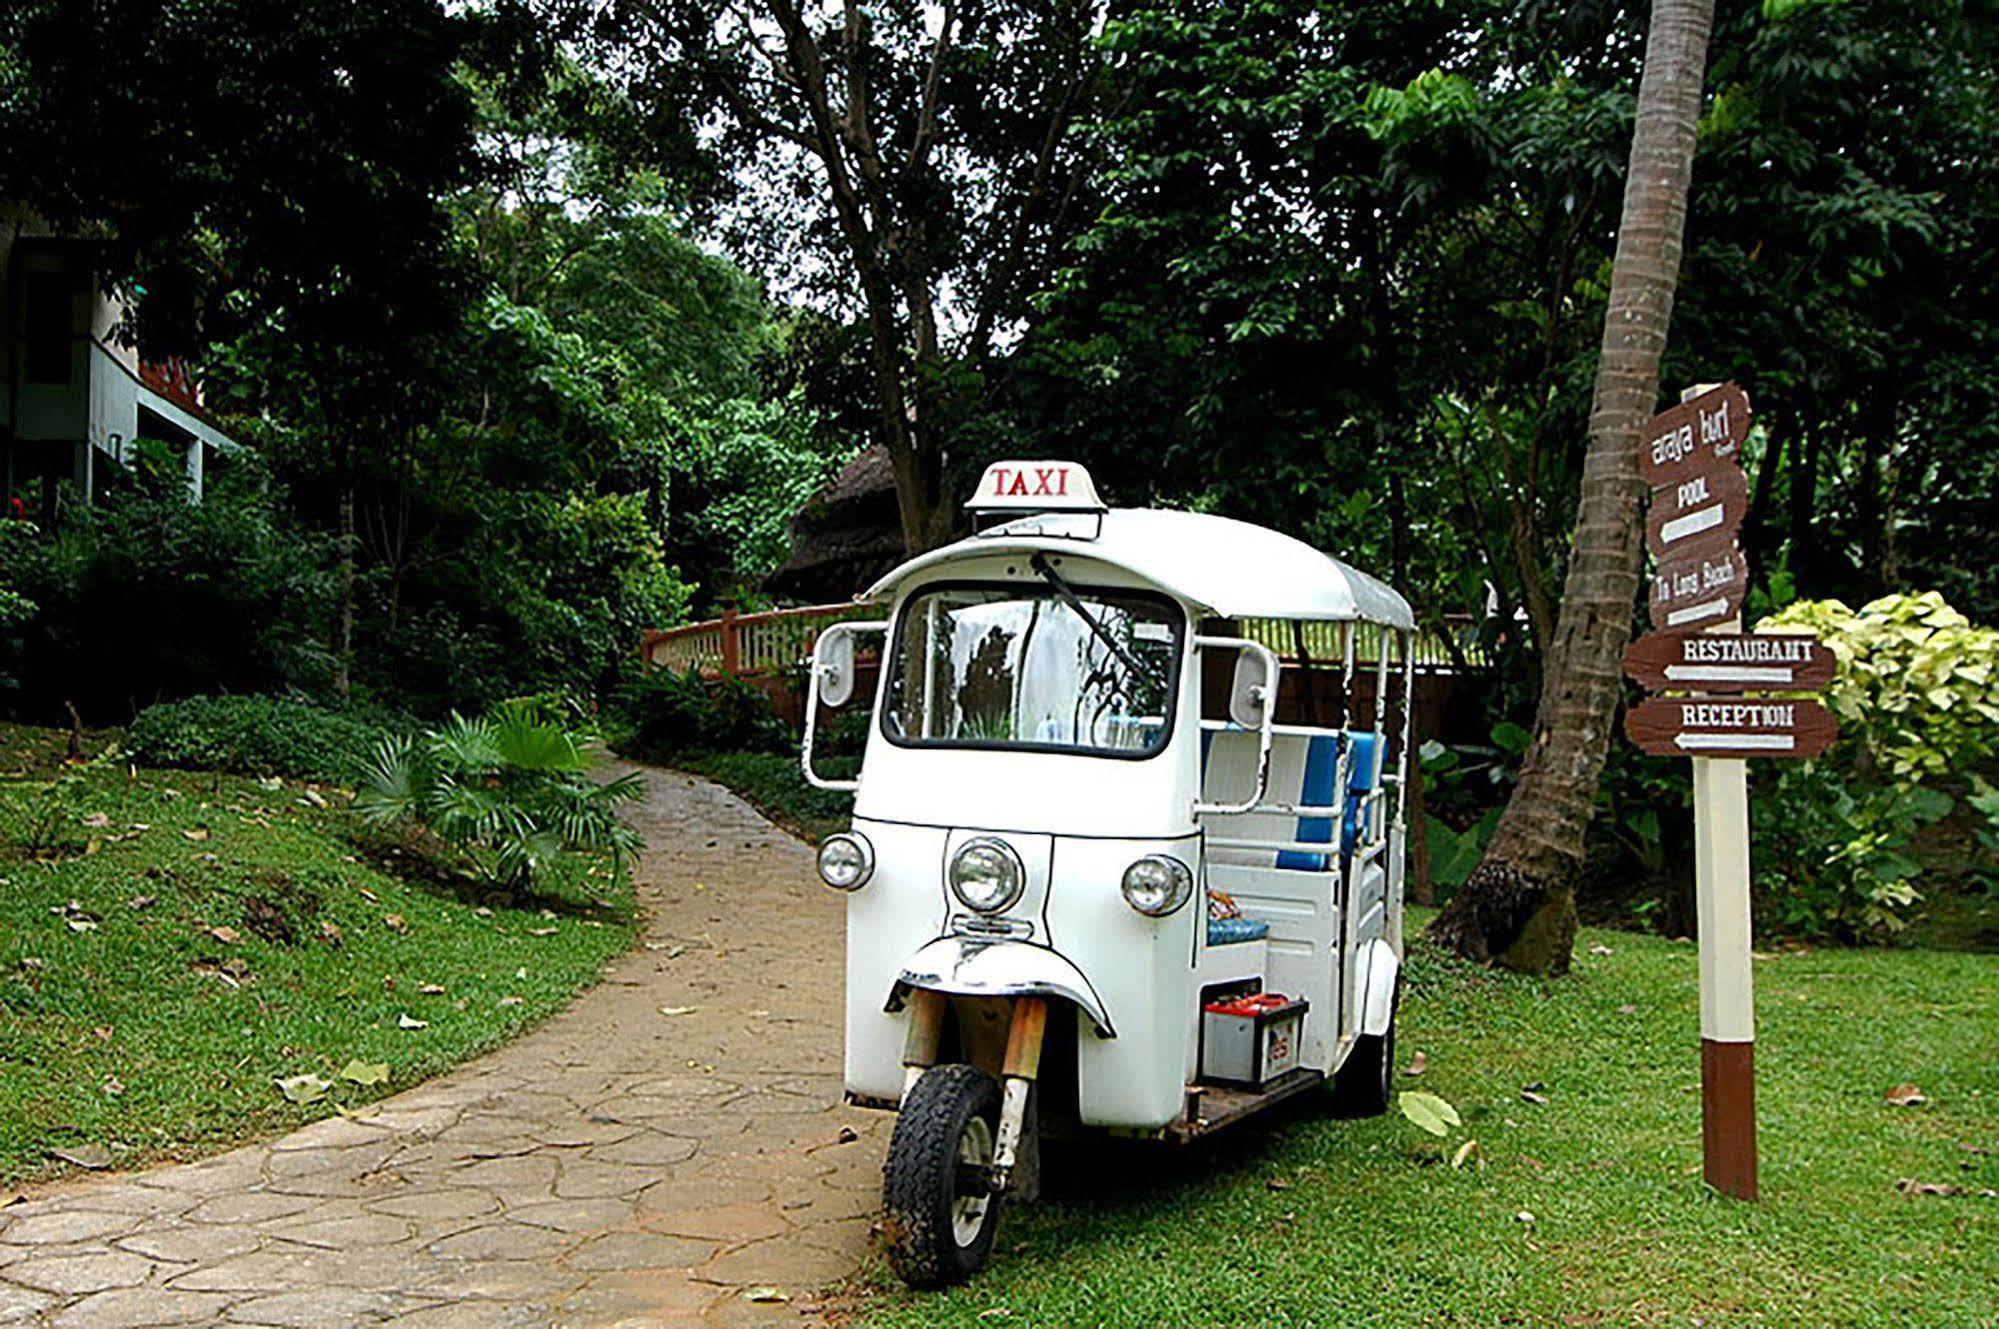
[(1311, 1221), (194, 938)]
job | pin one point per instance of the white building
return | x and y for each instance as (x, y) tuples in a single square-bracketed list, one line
[(72, 397)]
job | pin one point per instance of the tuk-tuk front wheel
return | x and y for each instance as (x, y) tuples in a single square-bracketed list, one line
[(939, 1213)]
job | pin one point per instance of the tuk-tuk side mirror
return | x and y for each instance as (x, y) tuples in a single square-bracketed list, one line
[(1249, 695), (833, 661)]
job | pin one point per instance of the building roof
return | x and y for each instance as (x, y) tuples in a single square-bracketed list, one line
[(1231, 569)]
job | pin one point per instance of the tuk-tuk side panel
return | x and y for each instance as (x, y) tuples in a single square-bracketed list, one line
[(888, 920), (1143, 970)]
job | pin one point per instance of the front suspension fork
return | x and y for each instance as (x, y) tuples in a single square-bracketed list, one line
[(1017, 1074)]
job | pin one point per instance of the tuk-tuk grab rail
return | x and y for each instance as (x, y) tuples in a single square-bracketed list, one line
[(831, 633), (1266, 727)]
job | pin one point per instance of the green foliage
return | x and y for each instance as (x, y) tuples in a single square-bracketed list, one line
[(665, 714), (145, 595), (1917, 696), (252, 735), (510, 790)]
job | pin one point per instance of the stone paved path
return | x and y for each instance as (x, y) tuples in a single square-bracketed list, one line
[(617, 1166)]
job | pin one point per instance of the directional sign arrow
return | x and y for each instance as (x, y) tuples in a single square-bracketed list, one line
[(1729, 662), (1697, 589), (1708, 727), (1698, 516), (1695, 436)]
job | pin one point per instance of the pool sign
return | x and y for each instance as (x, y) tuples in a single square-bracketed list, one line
[(1729, 662), (1736, 727), (1698, 515), (1696, 589), (1695, 437)]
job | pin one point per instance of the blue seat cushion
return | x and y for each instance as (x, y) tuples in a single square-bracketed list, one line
[(1222, 931), (1360, 782), (1322, 769)]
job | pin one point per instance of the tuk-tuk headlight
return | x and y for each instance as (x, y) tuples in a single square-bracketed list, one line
[(986, 875), (846, 862), (1157, 885)]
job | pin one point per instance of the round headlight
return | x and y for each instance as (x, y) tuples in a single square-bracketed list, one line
[(986, 875), (1157, 885), (846, 862)]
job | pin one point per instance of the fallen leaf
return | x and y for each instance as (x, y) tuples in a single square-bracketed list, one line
[(113, 1087), (678, 1010), (1627, 1010), (97, 819), (302, 1089), (141, 902), (1278, 1184), (367, 894), (510, 1001), (314, 797), (1417, 1064), (543, 932), (365, 1072), (93, 1156), (1428, 1112), (1524, 1216), (196, 833), (1531, 1096), (395, 922), (81, 924), (1910, 1186), (329, 931), (1465, 1152), (9, 1197), (765, 1294), (104, 1032), (1905, 1095), (1598, 948), (994, 1313), (227, 936), (411, 1022), (431, 989), (847, 1135)]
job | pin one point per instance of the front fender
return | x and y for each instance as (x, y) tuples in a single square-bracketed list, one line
[(970, 967)]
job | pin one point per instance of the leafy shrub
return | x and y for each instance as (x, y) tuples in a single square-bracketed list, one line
[(144, 596), (510, 790), (1917, 696), (668, 713), (252, 736)]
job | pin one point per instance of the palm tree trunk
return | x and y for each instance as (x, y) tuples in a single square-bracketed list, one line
[(1518, 908)]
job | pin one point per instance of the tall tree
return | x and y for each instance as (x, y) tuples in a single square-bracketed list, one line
[(914, 161), (1518, 907)]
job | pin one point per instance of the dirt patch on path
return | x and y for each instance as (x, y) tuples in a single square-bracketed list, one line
[(619, 1165)]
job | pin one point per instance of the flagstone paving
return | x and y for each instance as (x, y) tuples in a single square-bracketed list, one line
[(617, 1166)]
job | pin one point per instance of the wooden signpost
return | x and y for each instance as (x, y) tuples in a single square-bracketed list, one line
[(1734, 697)]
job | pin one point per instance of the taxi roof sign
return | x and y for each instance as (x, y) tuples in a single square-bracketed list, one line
[(1036, 486)]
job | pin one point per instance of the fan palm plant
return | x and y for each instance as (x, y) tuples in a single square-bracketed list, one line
[(510, 789)]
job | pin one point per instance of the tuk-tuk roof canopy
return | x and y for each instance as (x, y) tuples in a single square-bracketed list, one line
[(1231, 569)]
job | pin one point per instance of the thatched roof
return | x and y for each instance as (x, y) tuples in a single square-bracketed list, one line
[(846, 537)]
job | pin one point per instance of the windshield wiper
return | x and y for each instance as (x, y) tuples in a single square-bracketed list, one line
[(1067, 595)]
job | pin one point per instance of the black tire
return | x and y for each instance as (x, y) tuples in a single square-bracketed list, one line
[(938, 1223), (1365, 1082)]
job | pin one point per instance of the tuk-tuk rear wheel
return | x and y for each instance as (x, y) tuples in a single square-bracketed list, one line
[(939, 1217), (1365, 1081)]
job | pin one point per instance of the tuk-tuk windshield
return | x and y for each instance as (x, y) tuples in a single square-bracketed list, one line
[(1037, 668)]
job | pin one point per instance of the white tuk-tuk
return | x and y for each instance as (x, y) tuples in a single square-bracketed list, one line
[(1092, 881)]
